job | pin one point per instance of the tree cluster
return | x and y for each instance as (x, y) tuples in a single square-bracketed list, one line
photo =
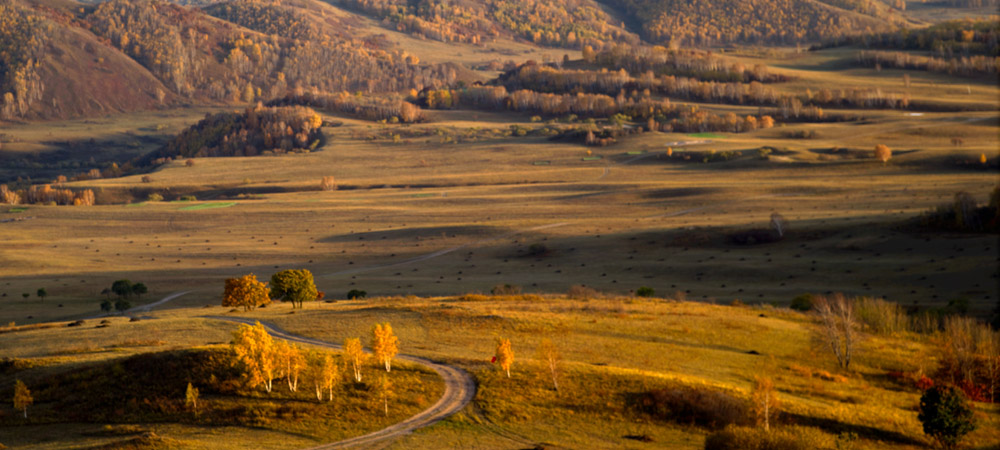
[(365, 107), (722, 22), (258, 129), (698, 64), (966, 66), (22, 37), (571, 23), (46, 195), (945, 40)]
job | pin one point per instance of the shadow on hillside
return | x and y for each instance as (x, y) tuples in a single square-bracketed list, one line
[(864, 431), (416, 233)]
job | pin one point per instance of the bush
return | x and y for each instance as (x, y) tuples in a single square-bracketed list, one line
[(356, 294), (506, 289), (882, 317), (745, 438), (692, 406), (803, 302), (645, 291), (188, 198), (946, 415), (154, 197)]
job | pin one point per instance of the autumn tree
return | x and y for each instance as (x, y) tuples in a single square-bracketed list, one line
[(255, 352), (549, 355), (504, 355), (245, 291), (837, 316), (322, 369), (291, 363), (764, 402), (355, 356), (946, 415), (384, 391), (385, 345), (328, 183), (296, 286), (883, 153), (191, 398), (22, 397)]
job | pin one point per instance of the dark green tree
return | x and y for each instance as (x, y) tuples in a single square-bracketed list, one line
[(122, 288), (138, 289), (122, 305), (107, 306), (946, 415), (42, 294), (296, 286), (645, 291)]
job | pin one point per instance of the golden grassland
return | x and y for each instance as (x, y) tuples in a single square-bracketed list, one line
[(611, 348)]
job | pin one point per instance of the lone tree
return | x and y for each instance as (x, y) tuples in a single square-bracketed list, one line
[(946, 415), (42, 294), (355, 355), (254, 351), (296, 286), (764, 403), (245, 291), (122, 288), (385, 345), (139, 289), (22, 397), (504, 355), (779, 224), (883, 153), (549, 355), (837, 316), (191, 398)]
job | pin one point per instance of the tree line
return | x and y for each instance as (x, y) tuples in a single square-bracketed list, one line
[(965, 66), (702, 65), (22, 37), (46, 195), (944, 40), (391, 109)]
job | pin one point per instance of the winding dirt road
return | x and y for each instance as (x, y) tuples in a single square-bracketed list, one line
[(459, 389)]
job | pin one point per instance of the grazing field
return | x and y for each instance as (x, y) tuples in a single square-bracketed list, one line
[(662, 263)]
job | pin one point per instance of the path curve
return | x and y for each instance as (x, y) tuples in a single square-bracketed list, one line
[(459, 389)]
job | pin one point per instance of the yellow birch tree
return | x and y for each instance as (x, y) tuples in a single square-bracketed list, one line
[(505, 355), (22, 397), (355, 355), (549, 355), (385, 345), (255, 351)]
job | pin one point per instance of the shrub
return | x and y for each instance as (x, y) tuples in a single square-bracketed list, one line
[(188, 198), (581, 292), (538, 250), (645, 291), (882, 317), (356, 294), (506, 289), (154, 197), (803, 302), (946, 415), (745, 438), (692, 406)]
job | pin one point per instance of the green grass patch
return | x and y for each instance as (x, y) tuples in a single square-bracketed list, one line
[(592, 158), (208, 206), (708, 136), (542, 163), (635, 152), (17, 210), (423, 195)]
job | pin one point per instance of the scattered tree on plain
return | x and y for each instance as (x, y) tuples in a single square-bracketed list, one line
[(296, 286), (385, 345), (255, 351), (22, 397), (764, 402), (355, 355), (946, 415), (122, 288), (139, 289), (837, 315), (883, 153), (245, 291), (191, 398), (122, 305), (504, 355), (107, 306), (384, 390), (779, 224), (549, 355), (42, 293)]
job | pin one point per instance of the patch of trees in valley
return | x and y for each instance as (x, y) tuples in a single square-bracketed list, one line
[(22, 36)]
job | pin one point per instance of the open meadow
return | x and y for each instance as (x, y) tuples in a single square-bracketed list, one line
[(673, 265)]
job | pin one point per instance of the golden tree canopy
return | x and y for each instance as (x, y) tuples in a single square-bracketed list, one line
[(245, 291)]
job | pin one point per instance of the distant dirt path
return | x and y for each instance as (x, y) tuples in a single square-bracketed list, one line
[(459, 389)]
